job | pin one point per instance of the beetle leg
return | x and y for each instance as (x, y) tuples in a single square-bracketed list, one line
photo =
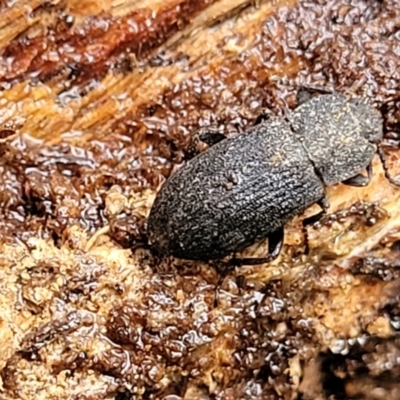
[(303, 96), (224, 269), (275, 243), (382, 157), (209, 136), (264, 116), (261, 118), (304, 92), (324, 204), (360, 180)]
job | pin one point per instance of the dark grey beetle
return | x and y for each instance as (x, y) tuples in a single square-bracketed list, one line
[(243, 190)]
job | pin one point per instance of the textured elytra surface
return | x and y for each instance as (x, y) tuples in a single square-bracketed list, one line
[(234, 194)]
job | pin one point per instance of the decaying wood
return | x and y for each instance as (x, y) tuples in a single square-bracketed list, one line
[(99, 103)]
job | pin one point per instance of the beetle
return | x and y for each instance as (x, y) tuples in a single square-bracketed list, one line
[(244, 189)]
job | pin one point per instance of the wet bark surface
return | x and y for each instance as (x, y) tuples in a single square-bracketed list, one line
[(100, 101)]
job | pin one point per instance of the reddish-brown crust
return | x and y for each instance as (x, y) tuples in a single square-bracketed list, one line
[(93, 46)]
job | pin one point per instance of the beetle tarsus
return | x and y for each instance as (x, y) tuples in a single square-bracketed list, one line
[(324, 204), (224, 269), (360, 180), (275, 243), (263, 117), (210, 136), (304, 92)]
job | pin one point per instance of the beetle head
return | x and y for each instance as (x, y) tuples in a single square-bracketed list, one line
[(370, 120)]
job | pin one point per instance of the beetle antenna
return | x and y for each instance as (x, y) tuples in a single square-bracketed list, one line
[(388, 176), (307, 87), (330, 86)]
